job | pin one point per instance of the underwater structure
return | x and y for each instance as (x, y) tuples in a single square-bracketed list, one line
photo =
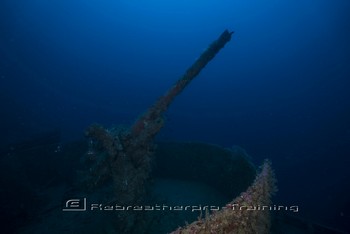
[(124, 158), (124, 167)]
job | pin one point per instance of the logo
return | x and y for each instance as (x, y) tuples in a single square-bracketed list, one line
[(75, 205)]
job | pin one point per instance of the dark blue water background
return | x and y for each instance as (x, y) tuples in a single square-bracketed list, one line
[(279, 89)]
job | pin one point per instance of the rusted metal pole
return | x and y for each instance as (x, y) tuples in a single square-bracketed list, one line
[(152, 121)]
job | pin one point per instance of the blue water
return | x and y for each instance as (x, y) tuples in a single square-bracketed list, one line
[(279, 88)]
